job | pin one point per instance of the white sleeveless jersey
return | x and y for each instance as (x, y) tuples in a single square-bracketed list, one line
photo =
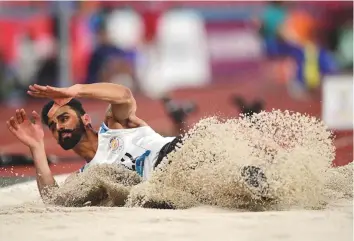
[(135, 148)]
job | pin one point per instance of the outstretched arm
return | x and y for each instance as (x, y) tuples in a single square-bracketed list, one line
[(31, 134), (44, 177), (122, 102), (120, 97)]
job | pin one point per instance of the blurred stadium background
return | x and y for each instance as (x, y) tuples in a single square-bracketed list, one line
[(184, 60)]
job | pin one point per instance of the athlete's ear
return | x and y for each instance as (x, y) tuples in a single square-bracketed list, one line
[(86, 119)]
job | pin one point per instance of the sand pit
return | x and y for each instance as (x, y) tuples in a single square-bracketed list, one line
[(310, 199), (33, 221)]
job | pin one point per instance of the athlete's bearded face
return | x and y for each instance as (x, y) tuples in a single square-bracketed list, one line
[(68, 138), (67, 127)]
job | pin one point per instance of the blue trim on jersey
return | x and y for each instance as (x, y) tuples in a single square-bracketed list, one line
[(103, 129), (139, 163)]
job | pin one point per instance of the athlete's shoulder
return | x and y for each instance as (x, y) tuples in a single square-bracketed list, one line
[(105, 129)]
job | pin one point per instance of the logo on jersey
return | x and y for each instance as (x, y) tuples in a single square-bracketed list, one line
[(116, 144)]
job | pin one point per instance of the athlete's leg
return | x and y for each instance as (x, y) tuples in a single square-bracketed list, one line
[(168, 148), (150, 201)]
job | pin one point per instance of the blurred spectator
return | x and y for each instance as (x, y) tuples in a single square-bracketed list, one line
[(272, 18), (7, 79), (27, 59), (300, 35), (11, 91), (344, 51), (108, 62), (48, 70), (290, 39), (293, 34), (299, 27), (151, 16), (82, 37)]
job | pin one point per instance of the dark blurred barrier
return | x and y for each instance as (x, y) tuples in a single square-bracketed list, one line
[(247, 108), (178, 111), (10, 160)]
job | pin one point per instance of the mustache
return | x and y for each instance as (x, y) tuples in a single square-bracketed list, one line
[(66, 131)]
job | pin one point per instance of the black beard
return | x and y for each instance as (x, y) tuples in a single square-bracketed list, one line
[(68, 143)]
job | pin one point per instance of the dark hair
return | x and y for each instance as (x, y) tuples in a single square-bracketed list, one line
[(74, 104)]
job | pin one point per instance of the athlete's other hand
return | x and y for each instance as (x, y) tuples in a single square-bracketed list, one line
[(53, 92), (29, 132)]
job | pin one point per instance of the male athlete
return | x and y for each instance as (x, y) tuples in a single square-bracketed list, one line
[(123, 138)]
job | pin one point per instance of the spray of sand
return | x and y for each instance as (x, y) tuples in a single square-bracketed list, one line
[(294, 151), (103, 185)]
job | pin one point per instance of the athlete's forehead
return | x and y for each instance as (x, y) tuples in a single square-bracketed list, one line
[(63, 110)]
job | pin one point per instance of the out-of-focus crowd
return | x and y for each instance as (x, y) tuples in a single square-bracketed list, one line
[(119, 41)]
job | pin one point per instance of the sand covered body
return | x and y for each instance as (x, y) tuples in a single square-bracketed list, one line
[(307, 198)]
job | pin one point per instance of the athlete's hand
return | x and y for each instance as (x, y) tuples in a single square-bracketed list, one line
[(29, 133), (53, 92)]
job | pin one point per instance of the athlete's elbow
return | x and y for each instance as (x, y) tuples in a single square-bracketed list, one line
[(128, 95), (125, 96)]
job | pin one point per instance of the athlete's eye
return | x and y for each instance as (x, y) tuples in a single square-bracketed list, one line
[(63, 119)]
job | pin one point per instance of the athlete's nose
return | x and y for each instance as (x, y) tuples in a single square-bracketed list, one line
[(60, 126)]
